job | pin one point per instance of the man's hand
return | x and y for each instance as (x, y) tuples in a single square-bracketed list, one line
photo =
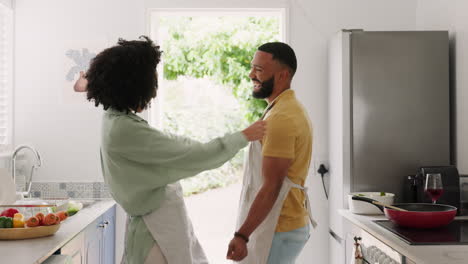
[(81, 84), (237, 250)]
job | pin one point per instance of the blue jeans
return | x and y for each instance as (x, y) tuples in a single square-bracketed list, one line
[(286, 246)]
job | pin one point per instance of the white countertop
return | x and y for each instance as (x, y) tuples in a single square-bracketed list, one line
[(431, 254), (39, 249)]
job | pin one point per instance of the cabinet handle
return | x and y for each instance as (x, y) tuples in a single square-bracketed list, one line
[(335, 236), (104, 224)]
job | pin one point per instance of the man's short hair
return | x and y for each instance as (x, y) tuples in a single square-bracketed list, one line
[(281, 52)]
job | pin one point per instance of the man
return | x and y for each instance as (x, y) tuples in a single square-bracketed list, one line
[(273, 224)]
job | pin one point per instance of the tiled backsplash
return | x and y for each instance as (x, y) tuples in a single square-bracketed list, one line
[(70, 189)]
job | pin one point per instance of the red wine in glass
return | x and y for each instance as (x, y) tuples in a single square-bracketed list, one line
[(434, 194), (433, 186)]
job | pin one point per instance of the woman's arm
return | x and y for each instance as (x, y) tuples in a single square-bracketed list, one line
[(138, 142)]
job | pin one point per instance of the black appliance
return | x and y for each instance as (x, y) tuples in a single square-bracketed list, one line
[(414, 189), (455, 233)]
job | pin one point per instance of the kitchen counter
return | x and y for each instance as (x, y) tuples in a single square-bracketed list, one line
[(433, 254), (39, 249)]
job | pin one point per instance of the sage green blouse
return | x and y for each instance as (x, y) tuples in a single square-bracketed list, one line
[(138, 161)]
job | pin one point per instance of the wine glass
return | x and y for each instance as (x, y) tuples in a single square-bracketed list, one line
[(434, 186)]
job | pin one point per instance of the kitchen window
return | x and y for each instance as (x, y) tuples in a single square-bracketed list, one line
[(6, 77)]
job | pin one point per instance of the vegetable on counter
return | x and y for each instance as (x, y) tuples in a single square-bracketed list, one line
[(57, 219), (50, 219), (73, 207), (32, 222), (62, 215), (18, 221), (6, 222), (40, 218), (10, 212)]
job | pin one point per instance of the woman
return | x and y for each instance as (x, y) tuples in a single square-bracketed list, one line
[(142, 165)]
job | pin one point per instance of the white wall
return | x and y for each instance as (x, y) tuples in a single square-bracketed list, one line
[(66, 130), (8, 3), (438, 14), (64, 127)]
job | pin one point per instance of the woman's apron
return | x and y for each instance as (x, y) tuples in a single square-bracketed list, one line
[(170, 226), (262, 238)]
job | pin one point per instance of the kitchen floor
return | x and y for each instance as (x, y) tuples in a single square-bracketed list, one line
[(213, 215)]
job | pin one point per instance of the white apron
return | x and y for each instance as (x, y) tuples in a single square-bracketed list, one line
[(261, 239), (173, 231)]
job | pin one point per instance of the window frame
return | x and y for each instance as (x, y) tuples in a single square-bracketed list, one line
[(7, 77)]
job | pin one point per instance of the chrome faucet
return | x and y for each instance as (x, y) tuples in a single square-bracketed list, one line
[(38, 164)]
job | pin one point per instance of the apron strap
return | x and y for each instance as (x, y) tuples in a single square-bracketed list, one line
[(307, 204)]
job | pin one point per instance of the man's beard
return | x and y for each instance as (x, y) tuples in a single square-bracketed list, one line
[(266, 88)]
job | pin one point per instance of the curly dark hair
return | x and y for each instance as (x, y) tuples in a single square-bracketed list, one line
[(124, 77)]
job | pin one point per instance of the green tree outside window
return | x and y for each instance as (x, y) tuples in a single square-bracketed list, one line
[(218, 49)]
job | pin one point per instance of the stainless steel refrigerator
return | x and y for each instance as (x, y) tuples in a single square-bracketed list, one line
[(389, 114)]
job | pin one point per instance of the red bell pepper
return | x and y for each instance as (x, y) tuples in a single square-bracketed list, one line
[(10, 212)]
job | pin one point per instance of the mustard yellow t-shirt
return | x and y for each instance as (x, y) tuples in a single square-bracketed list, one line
[(289, 135)]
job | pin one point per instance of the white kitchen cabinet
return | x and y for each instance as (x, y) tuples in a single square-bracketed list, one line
[(337, 251), (96, 243), (108, 240), (75, 249), (374, 250), (100, 239)]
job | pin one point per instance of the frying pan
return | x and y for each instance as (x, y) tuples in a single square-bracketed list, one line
[(417, 215)]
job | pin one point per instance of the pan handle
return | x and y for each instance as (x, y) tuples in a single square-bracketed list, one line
[(368, 200)]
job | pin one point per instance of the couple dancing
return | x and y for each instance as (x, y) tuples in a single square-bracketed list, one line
[(142, 165)]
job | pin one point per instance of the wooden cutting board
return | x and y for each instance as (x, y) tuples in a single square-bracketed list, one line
[(27, 232)]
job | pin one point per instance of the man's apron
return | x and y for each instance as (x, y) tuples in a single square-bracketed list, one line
[(173, 231), (262, 238)]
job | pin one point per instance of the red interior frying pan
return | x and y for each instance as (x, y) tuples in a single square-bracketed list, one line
[(417, 215)]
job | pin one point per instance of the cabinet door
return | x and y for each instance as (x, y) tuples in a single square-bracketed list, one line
[(349, 247), (337, 251), (93, 242), (108, 246), (75, 249)]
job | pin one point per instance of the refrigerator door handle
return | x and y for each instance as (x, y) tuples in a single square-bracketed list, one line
[(335, 236)]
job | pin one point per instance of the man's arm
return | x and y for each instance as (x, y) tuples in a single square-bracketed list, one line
[(274, 171)]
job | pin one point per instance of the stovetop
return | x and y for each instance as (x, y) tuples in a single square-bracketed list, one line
[(455, 233)]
